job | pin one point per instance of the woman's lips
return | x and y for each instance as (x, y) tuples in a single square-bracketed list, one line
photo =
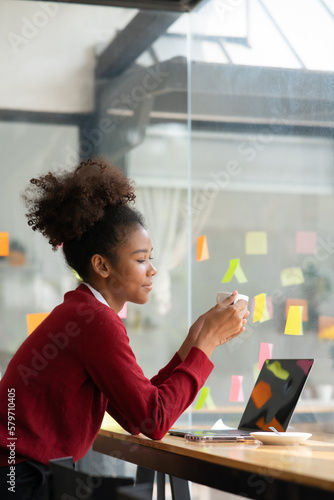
[(148, 286)]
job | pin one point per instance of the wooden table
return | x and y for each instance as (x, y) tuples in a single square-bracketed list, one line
[(252, 470)]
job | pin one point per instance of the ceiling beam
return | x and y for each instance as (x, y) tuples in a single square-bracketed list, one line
[(167, 5), (47, 117), (132, 41)]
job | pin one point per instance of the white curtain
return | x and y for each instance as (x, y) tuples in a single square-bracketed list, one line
[(166, 214)]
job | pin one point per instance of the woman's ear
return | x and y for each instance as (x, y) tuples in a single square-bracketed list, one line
[(100, 266)]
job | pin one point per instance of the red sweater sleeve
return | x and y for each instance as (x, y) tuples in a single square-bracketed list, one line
[(135, 402), (165, 372)]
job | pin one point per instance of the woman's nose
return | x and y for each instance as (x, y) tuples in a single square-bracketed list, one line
[(153, 270)]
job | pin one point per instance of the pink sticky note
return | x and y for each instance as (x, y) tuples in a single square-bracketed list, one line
[(123, 312), (236, 394), (306, 242), (266, 351)]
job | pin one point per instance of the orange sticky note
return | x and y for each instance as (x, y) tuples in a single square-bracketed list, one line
[(33, 320), (236, 393), (4, 244), (306, 242), (297, 302), (294, 325), (266, 351), (326, 327), (202, 249), (123, 312)]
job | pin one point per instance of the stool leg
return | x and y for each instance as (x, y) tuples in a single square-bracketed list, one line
[(180, 488), (161, 480), (145, 475)]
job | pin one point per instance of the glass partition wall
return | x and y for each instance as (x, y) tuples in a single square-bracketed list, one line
[(224, 118), (262, 159)]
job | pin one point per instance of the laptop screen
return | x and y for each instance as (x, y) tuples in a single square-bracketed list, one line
[(275, 394)]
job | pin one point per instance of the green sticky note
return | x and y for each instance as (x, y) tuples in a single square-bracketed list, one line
[(234, 270), (205, 398), (204, 392), (210, 403)]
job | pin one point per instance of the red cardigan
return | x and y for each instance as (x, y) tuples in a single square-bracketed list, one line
[(76, 365)]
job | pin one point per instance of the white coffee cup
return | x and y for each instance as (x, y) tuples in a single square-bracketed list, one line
[(324, 392), (223, 295)]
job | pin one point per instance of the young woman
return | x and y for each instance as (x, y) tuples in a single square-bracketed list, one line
[(78, 363)]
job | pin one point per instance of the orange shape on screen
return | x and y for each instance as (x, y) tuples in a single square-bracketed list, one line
[(297, 302), (326, 327), (33, 320), (202, 248), (265, 425), (4, 244), (261, 393)]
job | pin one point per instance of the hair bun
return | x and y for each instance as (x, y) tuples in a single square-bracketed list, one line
[(63, 206)]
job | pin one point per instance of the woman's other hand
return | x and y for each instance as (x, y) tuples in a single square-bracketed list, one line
[(221, 324), (198, 325)]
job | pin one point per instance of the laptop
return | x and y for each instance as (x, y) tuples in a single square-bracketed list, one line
[(271, 404)]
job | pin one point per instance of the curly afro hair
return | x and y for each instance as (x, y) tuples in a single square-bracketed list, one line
[(86, 210)]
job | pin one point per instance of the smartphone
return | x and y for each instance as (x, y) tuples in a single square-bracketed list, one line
[(216, 438)]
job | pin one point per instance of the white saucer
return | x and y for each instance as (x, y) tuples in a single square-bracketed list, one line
[(283, 438)]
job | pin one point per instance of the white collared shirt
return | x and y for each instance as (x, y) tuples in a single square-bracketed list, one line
[(97, 294)]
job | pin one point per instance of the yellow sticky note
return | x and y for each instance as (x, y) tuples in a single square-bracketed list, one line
[(4, 244), (256, 243), (202, 248), (33, 320), (292, 276), (294, 324), (268, 309), (205, 398), (235, 270), (260, 302), (297, 302)]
